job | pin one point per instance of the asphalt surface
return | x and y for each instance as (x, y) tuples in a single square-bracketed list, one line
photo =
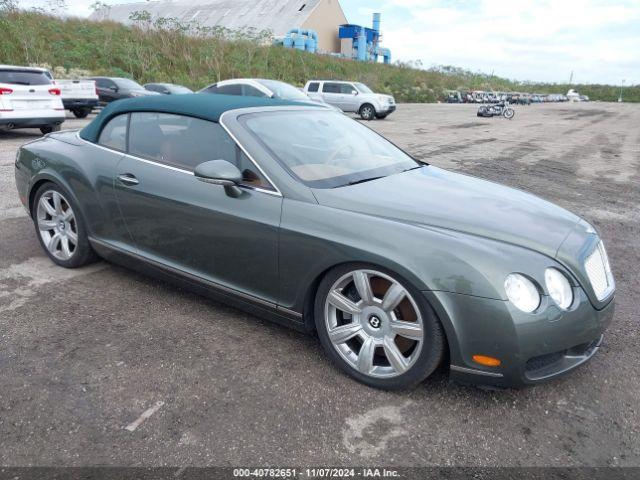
[(83, 353)]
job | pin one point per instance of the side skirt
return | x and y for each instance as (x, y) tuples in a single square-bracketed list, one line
[(201, 286)]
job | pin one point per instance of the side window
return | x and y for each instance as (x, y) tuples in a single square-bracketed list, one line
[(230, 89), (250, 91), (114, 133), (313, 87), (101, 82), (186, 142), (346, 88), (331, 88), (153, 87), (211, 89)]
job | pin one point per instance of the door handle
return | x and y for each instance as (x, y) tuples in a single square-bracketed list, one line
[(128, 179)]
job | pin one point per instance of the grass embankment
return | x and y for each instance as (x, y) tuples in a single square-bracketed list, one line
[(195, 58)]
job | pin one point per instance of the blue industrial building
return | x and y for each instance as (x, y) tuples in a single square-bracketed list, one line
[(356, 42)]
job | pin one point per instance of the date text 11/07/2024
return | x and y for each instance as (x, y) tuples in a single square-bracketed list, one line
[(315, 473)]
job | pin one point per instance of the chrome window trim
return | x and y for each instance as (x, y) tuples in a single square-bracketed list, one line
[(188, 172)]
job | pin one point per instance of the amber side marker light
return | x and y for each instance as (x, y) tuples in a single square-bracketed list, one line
[(486, 361)]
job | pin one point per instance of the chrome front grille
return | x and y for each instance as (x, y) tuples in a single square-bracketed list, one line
[(599, 272)]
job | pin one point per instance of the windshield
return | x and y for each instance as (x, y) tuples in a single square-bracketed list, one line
[(326, 149), (24, 77), (128, 84), (363, 88), (284, 91)]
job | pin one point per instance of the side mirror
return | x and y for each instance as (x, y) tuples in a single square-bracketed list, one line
[(114, 89), (220, 172), (354, 92)]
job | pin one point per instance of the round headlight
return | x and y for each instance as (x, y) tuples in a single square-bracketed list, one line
[(522, 292), (559, 288)]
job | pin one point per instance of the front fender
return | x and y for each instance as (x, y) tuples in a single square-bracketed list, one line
[(315, 238)]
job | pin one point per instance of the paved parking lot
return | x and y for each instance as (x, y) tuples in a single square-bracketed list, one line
[(84, 352)]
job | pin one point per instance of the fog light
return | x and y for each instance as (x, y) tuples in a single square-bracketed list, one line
[(486, 361)]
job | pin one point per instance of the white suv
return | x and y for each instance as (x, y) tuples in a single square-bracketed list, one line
[(29, 98), (351, 97)]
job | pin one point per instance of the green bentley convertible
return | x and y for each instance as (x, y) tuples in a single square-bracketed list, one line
[(299, 214)]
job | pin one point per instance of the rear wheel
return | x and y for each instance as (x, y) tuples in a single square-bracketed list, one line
[(509, 113), (60, 228), (81, 112), (377, 328), (367, 112), (50, 128)]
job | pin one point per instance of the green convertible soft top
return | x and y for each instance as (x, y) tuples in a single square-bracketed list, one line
[(201, 105)]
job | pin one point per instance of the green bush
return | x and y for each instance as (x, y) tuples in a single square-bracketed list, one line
[(167, 51)]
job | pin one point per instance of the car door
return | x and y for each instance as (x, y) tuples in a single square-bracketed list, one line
[(192, 226), (106, 90), (332, 94), (351, 100)]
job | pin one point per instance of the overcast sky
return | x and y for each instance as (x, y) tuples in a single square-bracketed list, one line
[(539, 40)]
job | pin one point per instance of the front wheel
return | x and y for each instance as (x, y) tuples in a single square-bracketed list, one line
[(367, 112), (377, 328), (508, 113), (60, 228)]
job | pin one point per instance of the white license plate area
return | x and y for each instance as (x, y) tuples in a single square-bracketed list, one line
[(30, 104)]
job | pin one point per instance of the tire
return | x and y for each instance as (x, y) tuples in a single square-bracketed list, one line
[(64, 219), (50, 128), (81, 112), (509, 113), (482, 112), (366, 343), (367, 112)]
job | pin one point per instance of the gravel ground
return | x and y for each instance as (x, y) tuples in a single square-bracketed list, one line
[(83, 353)]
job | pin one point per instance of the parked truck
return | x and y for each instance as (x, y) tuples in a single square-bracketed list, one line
[(78, 96)]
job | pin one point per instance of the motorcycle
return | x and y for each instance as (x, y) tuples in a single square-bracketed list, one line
[(498, 109)]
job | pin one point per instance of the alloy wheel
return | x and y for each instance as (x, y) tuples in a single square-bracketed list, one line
[(374, 323), (57, 225), (367, 112)]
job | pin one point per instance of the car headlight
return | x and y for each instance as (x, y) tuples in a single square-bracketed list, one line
[(559, 288), (522, 292)]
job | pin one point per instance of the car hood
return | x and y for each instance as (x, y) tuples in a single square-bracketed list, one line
[(439, 198)]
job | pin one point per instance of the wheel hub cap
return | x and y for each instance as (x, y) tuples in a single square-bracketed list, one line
[(57, 225), (374, 323)]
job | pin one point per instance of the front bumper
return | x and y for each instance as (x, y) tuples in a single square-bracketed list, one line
[(72, 103), (387, 109), (532, 348)]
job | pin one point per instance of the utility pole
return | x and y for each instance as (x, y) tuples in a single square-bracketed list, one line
[(621, 87), (571, 78)]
